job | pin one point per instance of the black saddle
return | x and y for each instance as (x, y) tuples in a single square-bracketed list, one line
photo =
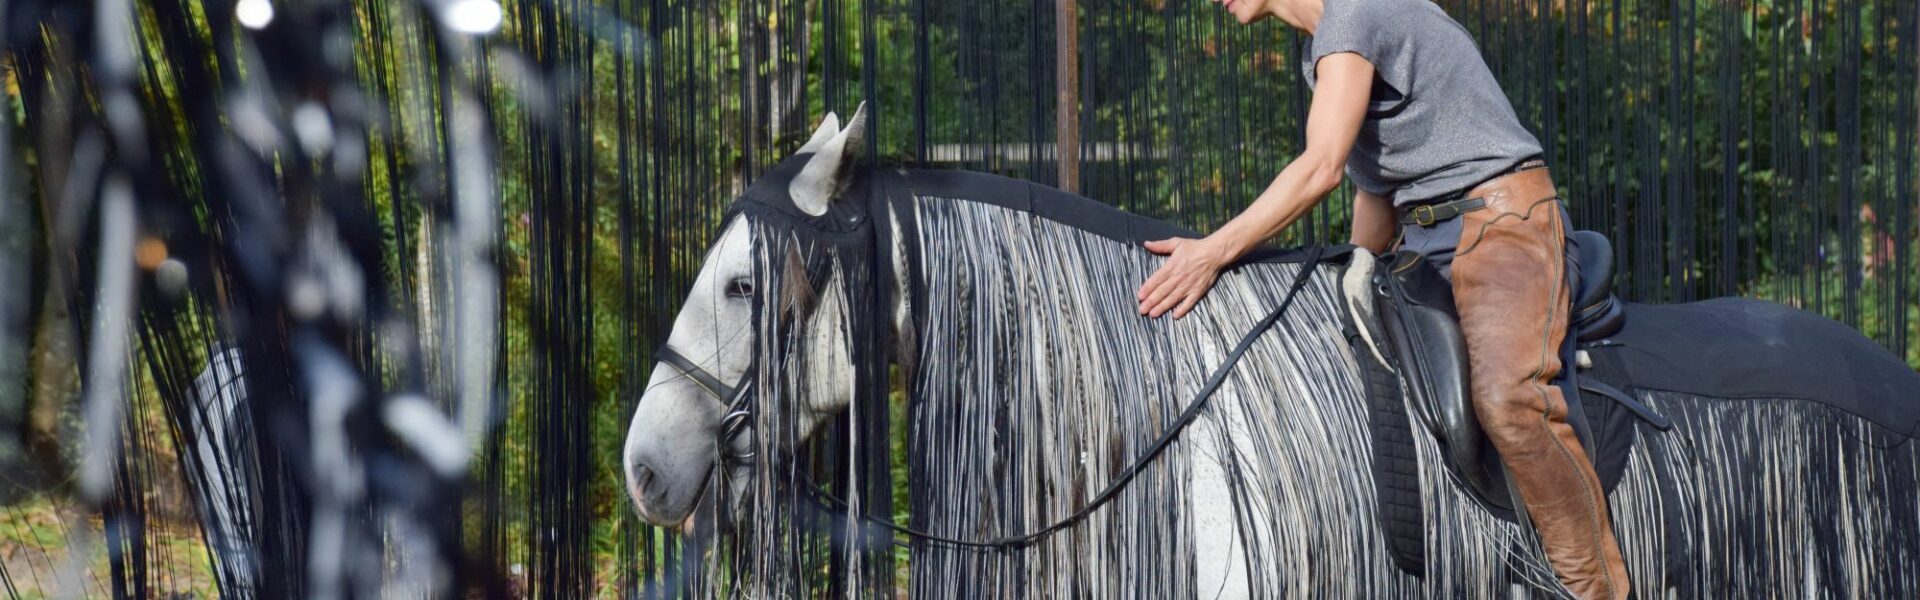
[(1422, 365), (1418, 317)]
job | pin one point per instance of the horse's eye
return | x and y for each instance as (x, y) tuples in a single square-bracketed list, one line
[(740, 288)]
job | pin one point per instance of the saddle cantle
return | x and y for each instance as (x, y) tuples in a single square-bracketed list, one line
[(1597, 313)]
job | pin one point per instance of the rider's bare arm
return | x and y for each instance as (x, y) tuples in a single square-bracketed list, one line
[(1373, 225), (1333, 120), (1339, 106)]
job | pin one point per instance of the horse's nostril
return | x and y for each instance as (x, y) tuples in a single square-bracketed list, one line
[(642, 477)]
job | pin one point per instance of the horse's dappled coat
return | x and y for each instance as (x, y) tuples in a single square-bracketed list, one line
[(1037, 381)]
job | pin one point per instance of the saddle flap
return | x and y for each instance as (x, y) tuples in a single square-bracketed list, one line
[(1416, 311)]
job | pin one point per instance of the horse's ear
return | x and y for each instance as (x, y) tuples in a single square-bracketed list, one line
[(828, 127), (827, 173)]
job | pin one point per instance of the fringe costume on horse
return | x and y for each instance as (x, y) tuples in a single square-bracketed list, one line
[(1049, 456)]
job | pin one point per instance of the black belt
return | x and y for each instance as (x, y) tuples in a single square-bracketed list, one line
[(1425, 215)]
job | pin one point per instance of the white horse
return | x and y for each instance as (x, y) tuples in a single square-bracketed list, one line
[(1035, 386)]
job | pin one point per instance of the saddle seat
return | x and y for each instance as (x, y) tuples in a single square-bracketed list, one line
[(1420, 323)]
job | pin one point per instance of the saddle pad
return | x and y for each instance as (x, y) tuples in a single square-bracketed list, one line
[(1396, 467)]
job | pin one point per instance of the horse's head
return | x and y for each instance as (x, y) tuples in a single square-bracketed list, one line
[(696, 410)]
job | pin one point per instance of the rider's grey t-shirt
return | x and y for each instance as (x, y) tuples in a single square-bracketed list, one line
[(1439, 123)]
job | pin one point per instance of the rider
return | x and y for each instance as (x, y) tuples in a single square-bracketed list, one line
[(1403, 100)]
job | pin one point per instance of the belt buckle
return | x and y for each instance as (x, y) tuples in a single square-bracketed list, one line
[(1423, 215)]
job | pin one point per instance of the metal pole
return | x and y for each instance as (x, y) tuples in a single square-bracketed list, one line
[(1067, 86)]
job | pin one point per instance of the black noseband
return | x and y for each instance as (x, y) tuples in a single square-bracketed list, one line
[(738, 398)]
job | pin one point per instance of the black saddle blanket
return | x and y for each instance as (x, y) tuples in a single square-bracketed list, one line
[(1736, 348)]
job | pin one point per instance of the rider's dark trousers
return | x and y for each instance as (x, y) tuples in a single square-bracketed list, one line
[(1510, 282)]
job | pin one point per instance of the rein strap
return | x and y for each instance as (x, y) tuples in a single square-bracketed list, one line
[(1119, 482)]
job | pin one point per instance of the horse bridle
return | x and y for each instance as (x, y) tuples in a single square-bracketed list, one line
[(738, 397)]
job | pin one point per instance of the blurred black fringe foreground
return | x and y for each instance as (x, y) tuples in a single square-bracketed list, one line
[(353, 298)]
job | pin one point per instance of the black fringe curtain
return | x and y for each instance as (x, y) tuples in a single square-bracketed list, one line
[(1764, 148), (1731, 148)]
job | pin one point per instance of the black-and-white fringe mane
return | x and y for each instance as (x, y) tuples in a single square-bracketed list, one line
[(1037, 381)]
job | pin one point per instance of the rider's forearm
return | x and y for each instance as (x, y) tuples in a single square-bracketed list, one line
[(1301, 186)]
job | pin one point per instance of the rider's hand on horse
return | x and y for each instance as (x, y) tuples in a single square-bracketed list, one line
[(1184, 279)]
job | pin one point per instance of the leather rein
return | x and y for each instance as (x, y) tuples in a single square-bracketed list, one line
[(742, 401)]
